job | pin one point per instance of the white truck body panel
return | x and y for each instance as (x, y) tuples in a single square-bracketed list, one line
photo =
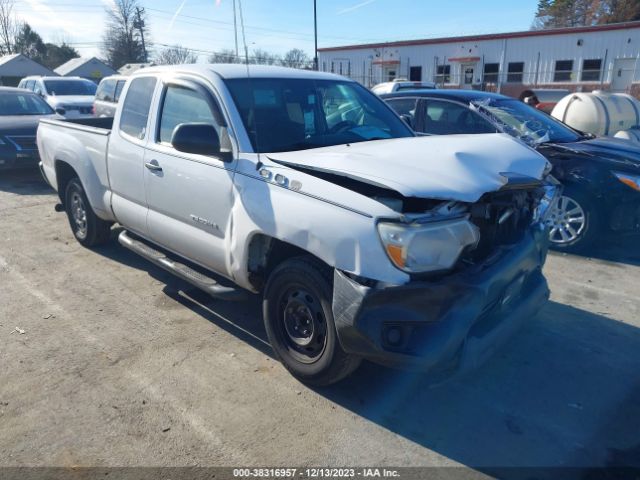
[(208, 211)]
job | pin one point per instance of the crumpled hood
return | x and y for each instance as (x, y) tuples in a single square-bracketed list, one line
[(447, 167)]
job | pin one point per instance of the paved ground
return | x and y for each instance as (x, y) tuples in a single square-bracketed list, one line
[(121, 364)]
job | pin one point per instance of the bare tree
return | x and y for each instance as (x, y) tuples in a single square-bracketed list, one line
[(262, 57), (225, 56), (9, 27), (176, 55), (123, 40), (296, 58)]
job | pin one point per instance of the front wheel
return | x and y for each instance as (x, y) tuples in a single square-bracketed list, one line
[(574, 221), (87, 227), (299, 322)]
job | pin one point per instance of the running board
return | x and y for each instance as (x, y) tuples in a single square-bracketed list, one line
[(195, 278)]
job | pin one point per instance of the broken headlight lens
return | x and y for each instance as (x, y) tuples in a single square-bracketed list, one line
[(552, 193), (427, 247)]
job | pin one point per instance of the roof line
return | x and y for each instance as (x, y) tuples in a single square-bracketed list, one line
[(490, 36)]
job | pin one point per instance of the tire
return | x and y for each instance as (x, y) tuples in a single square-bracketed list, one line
[(574, 204), (298, 318), (87, 227)]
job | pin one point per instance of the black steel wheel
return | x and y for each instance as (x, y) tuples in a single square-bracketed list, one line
[(87, 227), (299, 321)]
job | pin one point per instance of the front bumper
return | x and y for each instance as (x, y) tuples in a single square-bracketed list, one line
[(454, 323)]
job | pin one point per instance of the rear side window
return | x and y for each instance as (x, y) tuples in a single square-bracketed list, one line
[(119, 87), (106, 91), (403, 106), (135, 110), (29, 84), (183, 105), (446, 118)]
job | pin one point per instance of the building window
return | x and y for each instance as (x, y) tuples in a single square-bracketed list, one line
[(491, 72), (563, 71), (591, 70), (443, 74), (415, 74), (515, 72)]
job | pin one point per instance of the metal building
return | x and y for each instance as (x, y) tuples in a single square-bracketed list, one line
[(89, 68), (578, 59), (14, 68)]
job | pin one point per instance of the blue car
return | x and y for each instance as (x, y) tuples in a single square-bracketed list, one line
[(601, 176)]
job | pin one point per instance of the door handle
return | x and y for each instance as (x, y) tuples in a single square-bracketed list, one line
[(153, 166)]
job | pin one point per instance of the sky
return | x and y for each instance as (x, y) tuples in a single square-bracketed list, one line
[(279, 25)]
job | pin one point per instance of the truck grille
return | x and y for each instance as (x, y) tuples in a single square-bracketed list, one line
[(24, 142), (503, 218)]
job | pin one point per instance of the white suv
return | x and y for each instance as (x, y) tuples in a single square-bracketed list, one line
[(71, 97)]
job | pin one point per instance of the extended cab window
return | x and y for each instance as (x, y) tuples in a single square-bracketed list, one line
[(446, 118), (183, 105), (106, 91), (135, 110)]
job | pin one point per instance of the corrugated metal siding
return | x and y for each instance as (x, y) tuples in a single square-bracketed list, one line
[(361, 63)]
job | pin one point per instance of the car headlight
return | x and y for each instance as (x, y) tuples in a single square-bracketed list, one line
[(427, 247), (552, 193), (632, 181)]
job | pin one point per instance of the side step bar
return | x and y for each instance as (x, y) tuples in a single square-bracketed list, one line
[(197, 279)]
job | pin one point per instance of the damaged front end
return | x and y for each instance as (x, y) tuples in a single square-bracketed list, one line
[(476, 275)]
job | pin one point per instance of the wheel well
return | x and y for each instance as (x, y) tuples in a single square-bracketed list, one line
[(64, 173), (266, 253)]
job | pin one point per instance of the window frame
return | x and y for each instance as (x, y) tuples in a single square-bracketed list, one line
[(495, 74), (584, 70), (515, 76), (214, 105), (421, 112), (125, 135), (443, 78), (557, 73)]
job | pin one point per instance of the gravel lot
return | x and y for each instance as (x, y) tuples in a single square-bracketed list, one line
[(123, 365)]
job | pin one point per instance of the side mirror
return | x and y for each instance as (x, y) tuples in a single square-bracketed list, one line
[(61, 111), (408, 119), (200, 139)]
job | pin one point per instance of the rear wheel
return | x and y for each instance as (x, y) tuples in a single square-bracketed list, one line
[(299, 322), (574, 221), (87, 227)]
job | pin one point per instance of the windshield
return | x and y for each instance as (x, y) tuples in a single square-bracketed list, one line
[(23, 104), (525, 122), (70, 87), (297, 114)]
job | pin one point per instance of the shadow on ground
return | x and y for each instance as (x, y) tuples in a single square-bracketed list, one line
[(621, 247), (24, 182), (564, 392)]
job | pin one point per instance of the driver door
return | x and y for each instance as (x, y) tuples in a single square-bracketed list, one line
[(189, 195)]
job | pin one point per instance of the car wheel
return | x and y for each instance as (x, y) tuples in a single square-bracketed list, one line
[(87, 227), (573, 221), (299, 321)]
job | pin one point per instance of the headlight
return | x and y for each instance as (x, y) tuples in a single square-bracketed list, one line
[(552, 192), (429, 247), (632, 181)]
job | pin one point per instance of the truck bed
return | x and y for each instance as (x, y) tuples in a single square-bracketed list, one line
[(103, 123)]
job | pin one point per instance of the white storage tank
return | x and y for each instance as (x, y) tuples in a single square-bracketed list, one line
[(598, 112)]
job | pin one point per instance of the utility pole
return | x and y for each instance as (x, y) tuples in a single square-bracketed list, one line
[(139, 24), (315, 34), (235, 28)]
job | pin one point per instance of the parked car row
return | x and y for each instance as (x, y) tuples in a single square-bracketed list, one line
[(601, 176)]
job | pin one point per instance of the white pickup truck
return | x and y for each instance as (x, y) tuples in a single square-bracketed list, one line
[(364, 240)]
